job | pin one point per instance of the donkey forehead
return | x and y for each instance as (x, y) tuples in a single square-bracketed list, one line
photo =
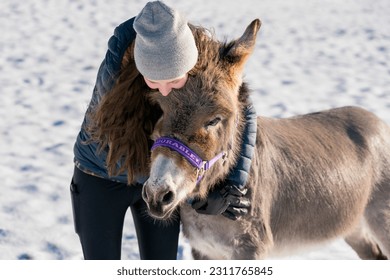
[(187, 109), (200, 95)]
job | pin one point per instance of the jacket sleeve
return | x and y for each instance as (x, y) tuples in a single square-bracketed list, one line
[(239, 174), (123, 36)]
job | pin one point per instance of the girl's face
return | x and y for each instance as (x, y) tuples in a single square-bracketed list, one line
[(166, 86)]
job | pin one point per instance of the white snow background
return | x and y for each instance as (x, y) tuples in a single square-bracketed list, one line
[(310, 55)]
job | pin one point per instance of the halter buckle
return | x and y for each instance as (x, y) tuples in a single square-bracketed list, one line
[(200, 171)]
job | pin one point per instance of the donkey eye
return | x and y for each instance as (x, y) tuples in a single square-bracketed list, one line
[(213, 122)]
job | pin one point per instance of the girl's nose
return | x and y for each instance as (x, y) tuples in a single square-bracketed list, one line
[(165, 90)]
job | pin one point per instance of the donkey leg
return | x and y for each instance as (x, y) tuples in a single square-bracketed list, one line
[(377, 216), (253, 245), (363, 244)]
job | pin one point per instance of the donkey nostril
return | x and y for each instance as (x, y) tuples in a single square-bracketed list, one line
[(145, 194), (168, 197)]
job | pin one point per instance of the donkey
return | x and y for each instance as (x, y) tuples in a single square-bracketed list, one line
[(313, 178)]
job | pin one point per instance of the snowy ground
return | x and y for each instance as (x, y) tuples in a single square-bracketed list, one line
[(310, 55)]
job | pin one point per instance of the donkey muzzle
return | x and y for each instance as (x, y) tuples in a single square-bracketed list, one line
[(160, 200)]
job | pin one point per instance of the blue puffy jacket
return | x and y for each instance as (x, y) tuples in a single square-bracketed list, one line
[(90, 161)]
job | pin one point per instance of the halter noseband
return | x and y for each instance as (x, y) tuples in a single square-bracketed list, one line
[(188, 154)]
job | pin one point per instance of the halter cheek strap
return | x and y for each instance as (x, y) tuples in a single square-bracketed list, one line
[(192, 157)]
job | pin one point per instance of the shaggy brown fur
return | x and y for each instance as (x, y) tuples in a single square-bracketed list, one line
[(313, 177)]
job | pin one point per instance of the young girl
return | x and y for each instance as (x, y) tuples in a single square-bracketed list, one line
[(153, 51)]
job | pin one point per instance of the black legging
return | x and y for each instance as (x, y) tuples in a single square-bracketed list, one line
[(99, 208)]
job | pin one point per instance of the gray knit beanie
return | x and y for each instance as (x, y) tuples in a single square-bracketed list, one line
[(164, 46)]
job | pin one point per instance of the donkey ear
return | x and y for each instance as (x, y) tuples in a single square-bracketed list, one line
[(239, 50)]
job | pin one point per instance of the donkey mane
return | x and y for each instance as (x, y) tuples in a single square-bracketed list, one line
[(213, 55)]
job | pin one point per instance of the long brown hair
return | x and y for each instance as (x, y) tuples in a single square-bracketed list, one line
[(123, 121)]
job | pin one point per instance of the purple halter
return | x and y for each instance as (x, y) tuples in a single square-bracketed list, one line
[(188, 154)]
